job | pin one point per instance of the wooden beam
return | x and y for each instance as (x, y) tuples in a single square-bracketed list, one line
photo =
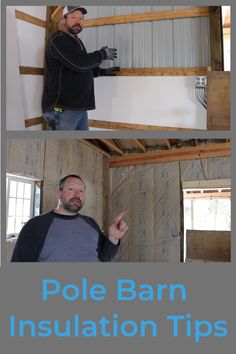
[(196, 71), (213, 183), (139, 144), (29, 70), (226, 32), (149, 16), (216, 38), (90, 144), (167, 141), (112, 146), (30, 19), (33, 121), (199, 195), (112, 125), (227, 18), (57, 13), (129, 126), (219, 100), (181, 154)]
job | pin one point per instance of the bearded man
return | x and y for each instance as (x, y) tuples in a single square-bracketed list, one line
[(64, 235), (69, 82)]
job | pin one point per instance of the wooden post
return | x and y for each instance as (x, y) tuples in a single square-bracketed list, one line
[(216, 38)]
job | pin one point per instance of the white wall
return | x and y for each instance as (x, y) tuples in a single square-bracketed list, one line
[(25, 47), (164, 101)]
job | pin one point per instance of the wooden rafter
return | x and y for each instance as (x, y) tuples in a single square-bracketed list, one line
[(139, 144), (112, 146), (167, 141), (196, 152)]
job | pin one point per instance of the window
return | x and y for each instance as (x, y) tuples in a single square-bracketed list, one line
[(20, 193), (207, 206)]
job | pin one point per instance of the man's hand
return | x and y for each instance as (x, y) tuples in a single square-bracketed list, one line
[(118, 228), (110, 53), (109, 71)]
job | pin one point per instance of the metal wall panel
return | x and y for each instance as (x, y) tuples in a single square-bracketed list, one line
[(182, 42), (90, 38), (140, 9), (162, 44), (161, 8), (123, 43), (106, 11), (167, 43), (106, 38), (142, 45), (123, 10)]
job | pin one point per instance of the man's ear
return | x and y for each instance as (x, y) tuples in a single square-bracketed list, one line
[(58, 195)]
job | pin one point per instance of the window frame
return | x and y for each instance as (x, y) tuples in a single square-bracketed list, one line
[(22, 179)]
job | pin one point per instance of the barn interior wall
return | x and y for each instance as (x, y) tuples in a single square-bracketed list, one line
[(152, 195)]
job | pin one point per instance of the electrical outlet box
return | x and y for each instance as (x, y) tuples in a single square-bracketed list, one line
[(200, 81)]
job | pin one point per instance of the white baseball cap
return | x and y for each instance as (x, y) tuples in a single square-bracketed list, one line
[(69, 9)]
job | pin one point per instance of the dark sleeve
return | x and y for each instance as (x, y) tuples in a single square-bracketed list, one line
[(68, 52), (106, 249), (31, 239), (96, 71), (24, 250)]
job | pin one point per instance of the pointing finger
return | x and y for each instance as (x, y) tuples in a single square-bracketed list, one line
[(120, 216)]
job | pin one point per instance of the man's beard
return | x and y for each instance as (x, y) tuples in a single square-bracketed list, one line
[(73, 207), (74, 30)]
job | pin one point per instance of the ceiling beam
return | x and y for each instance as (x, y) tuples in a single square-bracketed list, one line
[(139, 144), (181, 154), (112, 146), (167, 141)]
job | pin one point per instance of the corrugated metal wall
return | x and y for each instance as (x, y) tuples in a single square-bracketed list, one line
[(168, 43)]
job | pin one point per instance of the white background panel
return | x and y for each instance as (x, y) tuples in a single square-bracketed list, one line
[(31, 41), (32, 88), (14, 102), (167, 101)]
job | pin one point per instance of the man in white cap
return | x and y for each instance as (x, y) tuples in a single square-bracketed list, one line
[(69, 86)]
